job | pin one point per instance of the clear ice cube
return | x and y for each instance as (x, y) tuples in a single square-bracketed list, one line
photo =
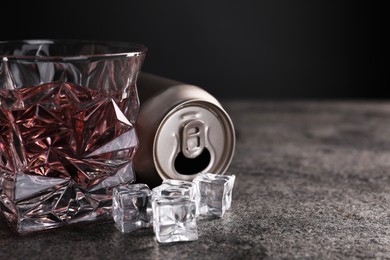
[(215, 193), (174, 219), (131, 207), (177, 188)]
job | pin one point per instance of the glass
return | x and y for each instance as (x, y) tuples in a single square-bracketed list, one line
[(67, 138)]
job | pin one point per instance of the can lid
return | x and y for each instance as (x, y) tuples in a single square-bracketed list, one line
[(195, 136)]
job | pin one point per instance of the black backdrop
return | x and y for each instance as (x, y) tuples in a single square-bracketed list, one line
[(250, 49)]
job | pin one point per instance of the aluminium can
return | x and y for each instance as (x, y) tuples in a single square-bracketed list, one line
[(183, 131)]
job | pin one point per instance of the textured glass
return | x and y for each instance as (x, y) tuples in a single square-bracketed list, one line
[(67, 113), (131, 207), (178, 188), (174, 219), (215, 193)]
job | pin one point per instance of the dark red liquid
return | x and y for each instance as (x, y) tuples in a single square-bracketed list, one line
[(63, 130)]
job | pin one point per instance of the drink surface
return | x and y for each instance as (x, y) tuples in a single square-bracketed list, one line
[(79, 139)]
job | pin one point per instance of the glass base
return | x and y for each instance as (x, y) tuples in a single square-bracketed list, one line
[(36, 203)]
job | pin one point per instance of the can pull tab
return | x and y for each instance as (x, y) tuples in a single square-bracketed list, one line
[(193, 139)]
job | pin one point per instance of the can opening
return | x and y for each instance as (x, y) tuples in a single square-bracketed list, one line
[(189, 166)]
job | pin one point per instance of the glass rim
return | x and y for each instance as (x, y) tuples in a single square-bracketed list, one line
[(125, 50)]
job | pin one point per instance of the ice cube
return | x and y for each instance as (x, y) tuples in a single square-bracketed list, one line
[(178, 188), (215, 193), (131, 207), (174, 219)]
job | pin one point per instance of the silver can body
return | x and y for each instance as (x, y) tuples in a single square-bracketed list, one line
[(183, 131)]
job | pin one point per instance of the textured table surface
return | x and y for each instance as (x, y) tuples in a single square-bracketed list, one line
[(313, 181)]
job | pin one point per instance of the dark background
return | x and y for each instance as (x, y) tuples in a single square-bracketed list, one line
[(249, 49)]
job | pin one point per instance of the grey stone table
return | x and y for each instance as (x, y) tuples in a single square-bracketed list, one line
[(313, 181)]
